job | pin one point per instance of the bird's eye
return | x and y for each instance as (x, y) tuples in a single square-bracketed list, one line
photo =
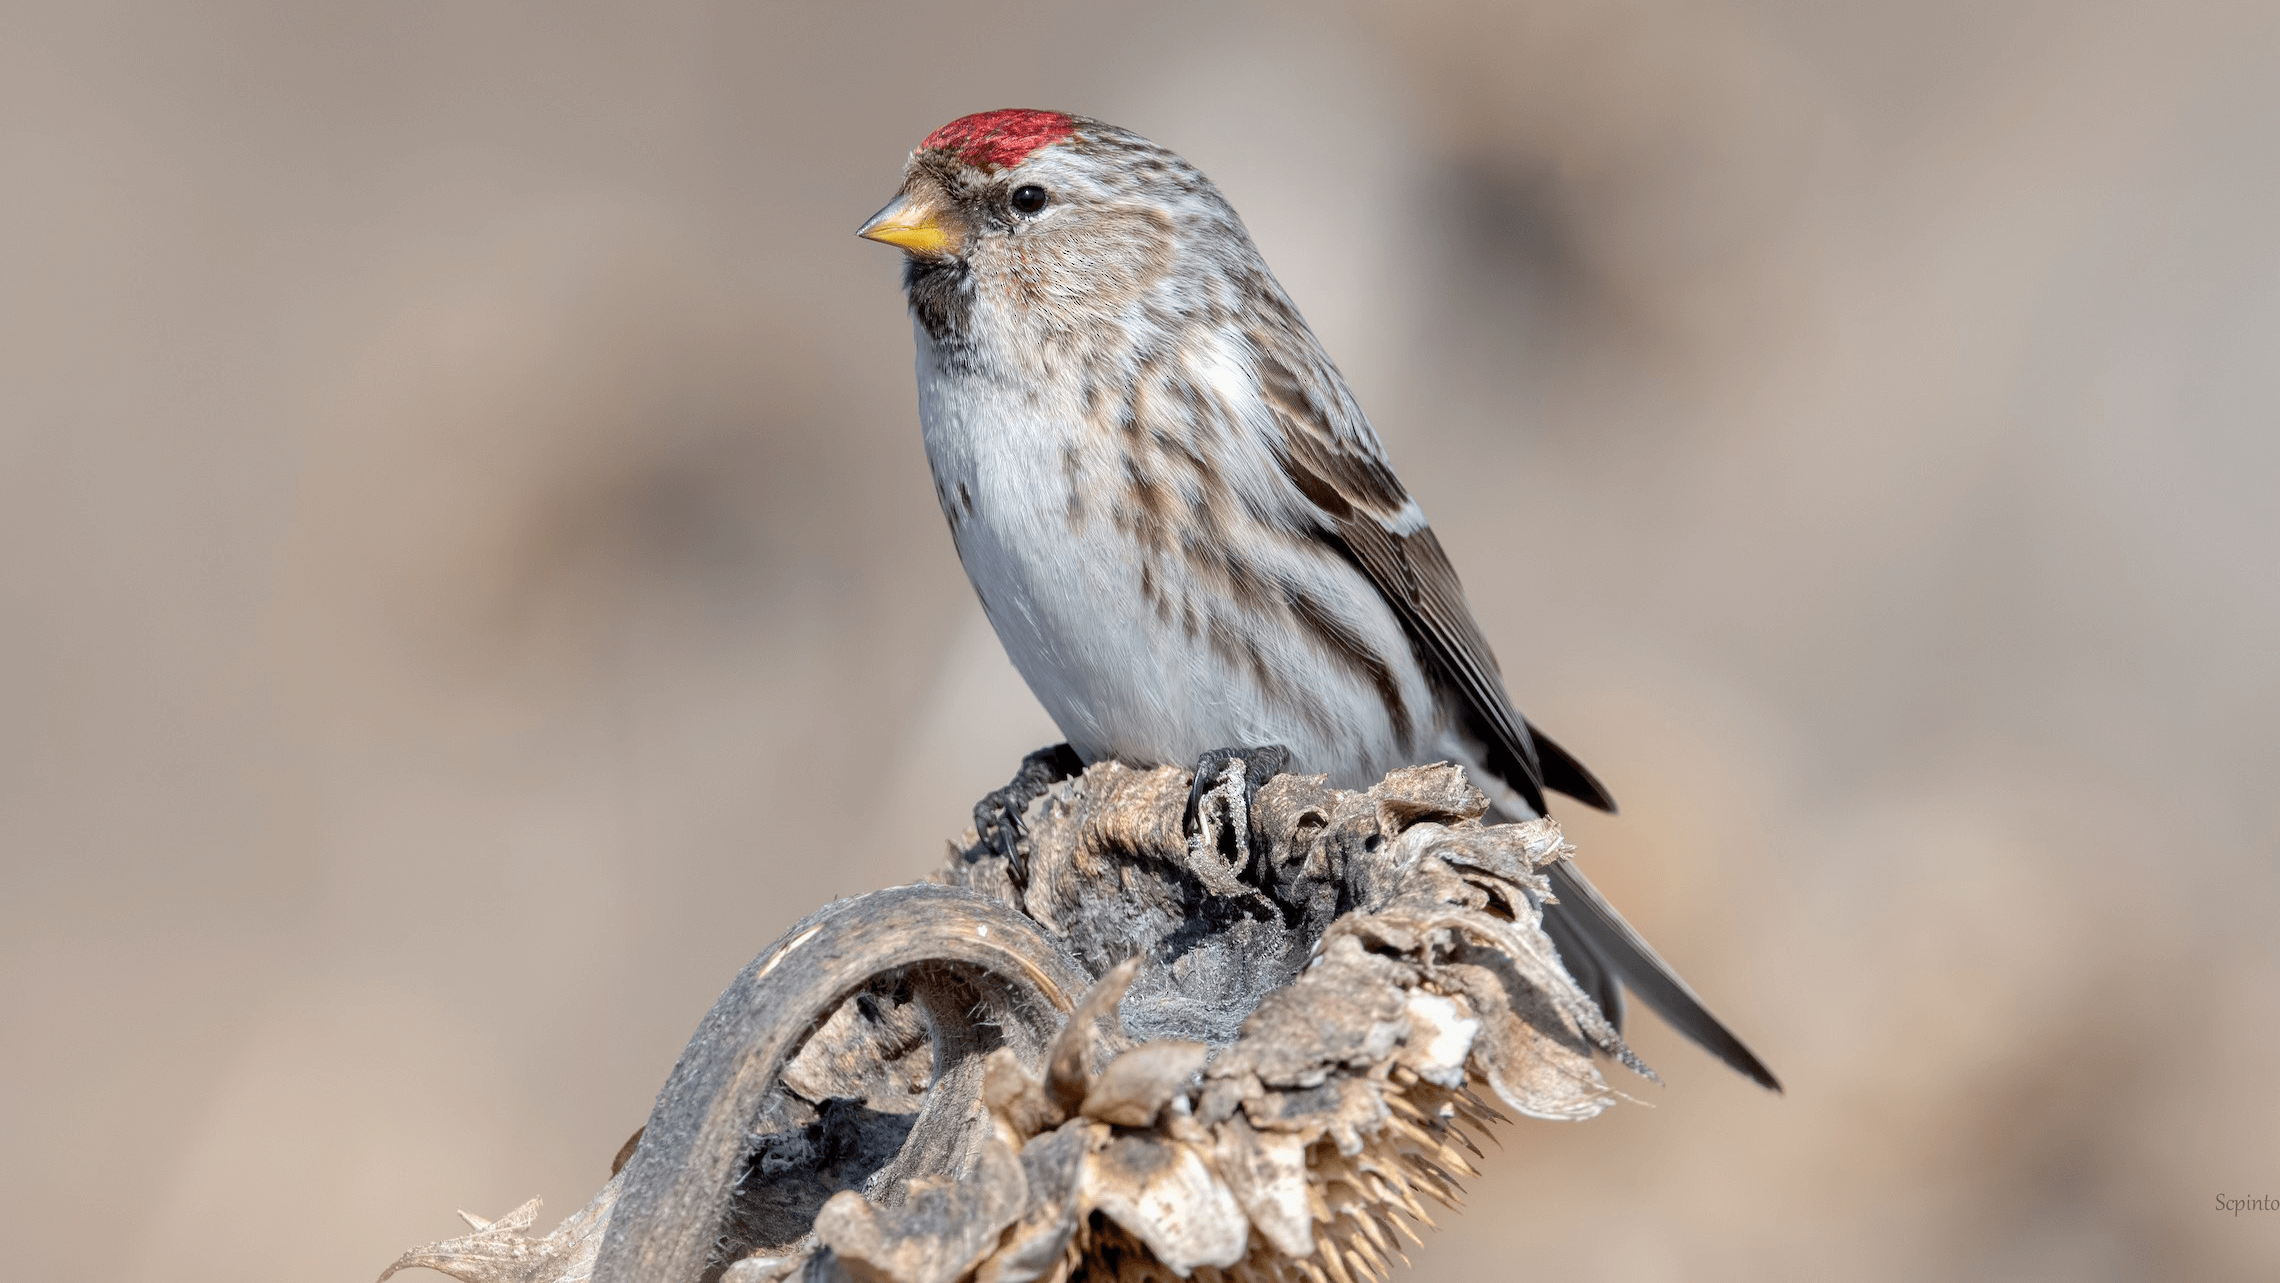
[(1028, 199)]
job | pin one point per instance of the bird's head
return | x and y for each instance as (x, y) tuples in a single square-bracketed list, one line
[(978, 176), (1061, 218)]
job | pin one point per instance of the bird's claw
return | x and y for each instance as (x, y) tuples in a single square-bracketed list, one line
[(1220, 802), (997, 817)]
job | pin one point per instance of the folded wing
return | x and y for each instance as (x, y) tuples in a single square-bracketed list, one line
[(1333, 458)]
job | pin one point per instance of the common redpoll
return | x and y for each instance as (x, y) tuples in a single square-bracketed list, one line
[(1178, 521)]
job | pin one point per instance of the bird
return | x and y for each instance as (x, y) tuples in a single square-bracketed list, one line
[(1179, 522)]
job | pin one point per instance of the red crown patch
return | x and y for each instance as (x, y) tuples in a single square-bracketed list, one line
[(1000, 138)]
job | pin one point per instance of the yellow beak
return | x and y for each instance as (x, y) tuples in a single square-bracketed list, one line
[(910, 225)]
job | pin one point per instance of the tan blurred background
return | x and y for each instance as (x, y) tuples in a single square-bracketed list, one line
[(468, 579)]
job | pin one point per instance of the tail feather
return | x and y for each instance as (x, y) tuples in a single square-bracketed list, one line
[(1563, 774), (1607, 944), (1590, 974)]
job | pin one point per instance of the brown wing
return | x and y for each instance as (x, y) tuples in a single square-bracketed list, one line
[(1335, 461)]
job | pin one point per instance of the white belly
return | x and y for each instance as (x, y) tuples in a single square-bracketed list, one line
[(1133, 654)]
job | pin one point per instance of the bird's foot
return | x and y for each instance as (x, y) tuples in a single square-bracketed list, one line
[(1220, 803), (997, 817)]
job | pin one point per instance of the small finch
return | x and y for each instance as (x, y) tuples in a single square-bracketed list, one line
[(1178, 521)]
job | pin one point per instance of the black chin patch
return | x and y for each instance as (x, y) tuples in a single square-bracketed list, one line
[(941, 292)]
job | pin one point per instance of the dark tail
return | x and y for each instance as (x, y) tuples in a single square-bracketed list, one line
[(1598, 946), (1563, 774)]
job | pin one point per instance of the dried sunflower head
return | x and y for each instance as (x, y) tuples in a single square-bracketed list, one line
[(1287, 1041)]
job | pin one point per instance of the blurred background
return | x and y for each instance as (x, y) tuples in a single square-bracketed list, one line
[(469, 579)]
